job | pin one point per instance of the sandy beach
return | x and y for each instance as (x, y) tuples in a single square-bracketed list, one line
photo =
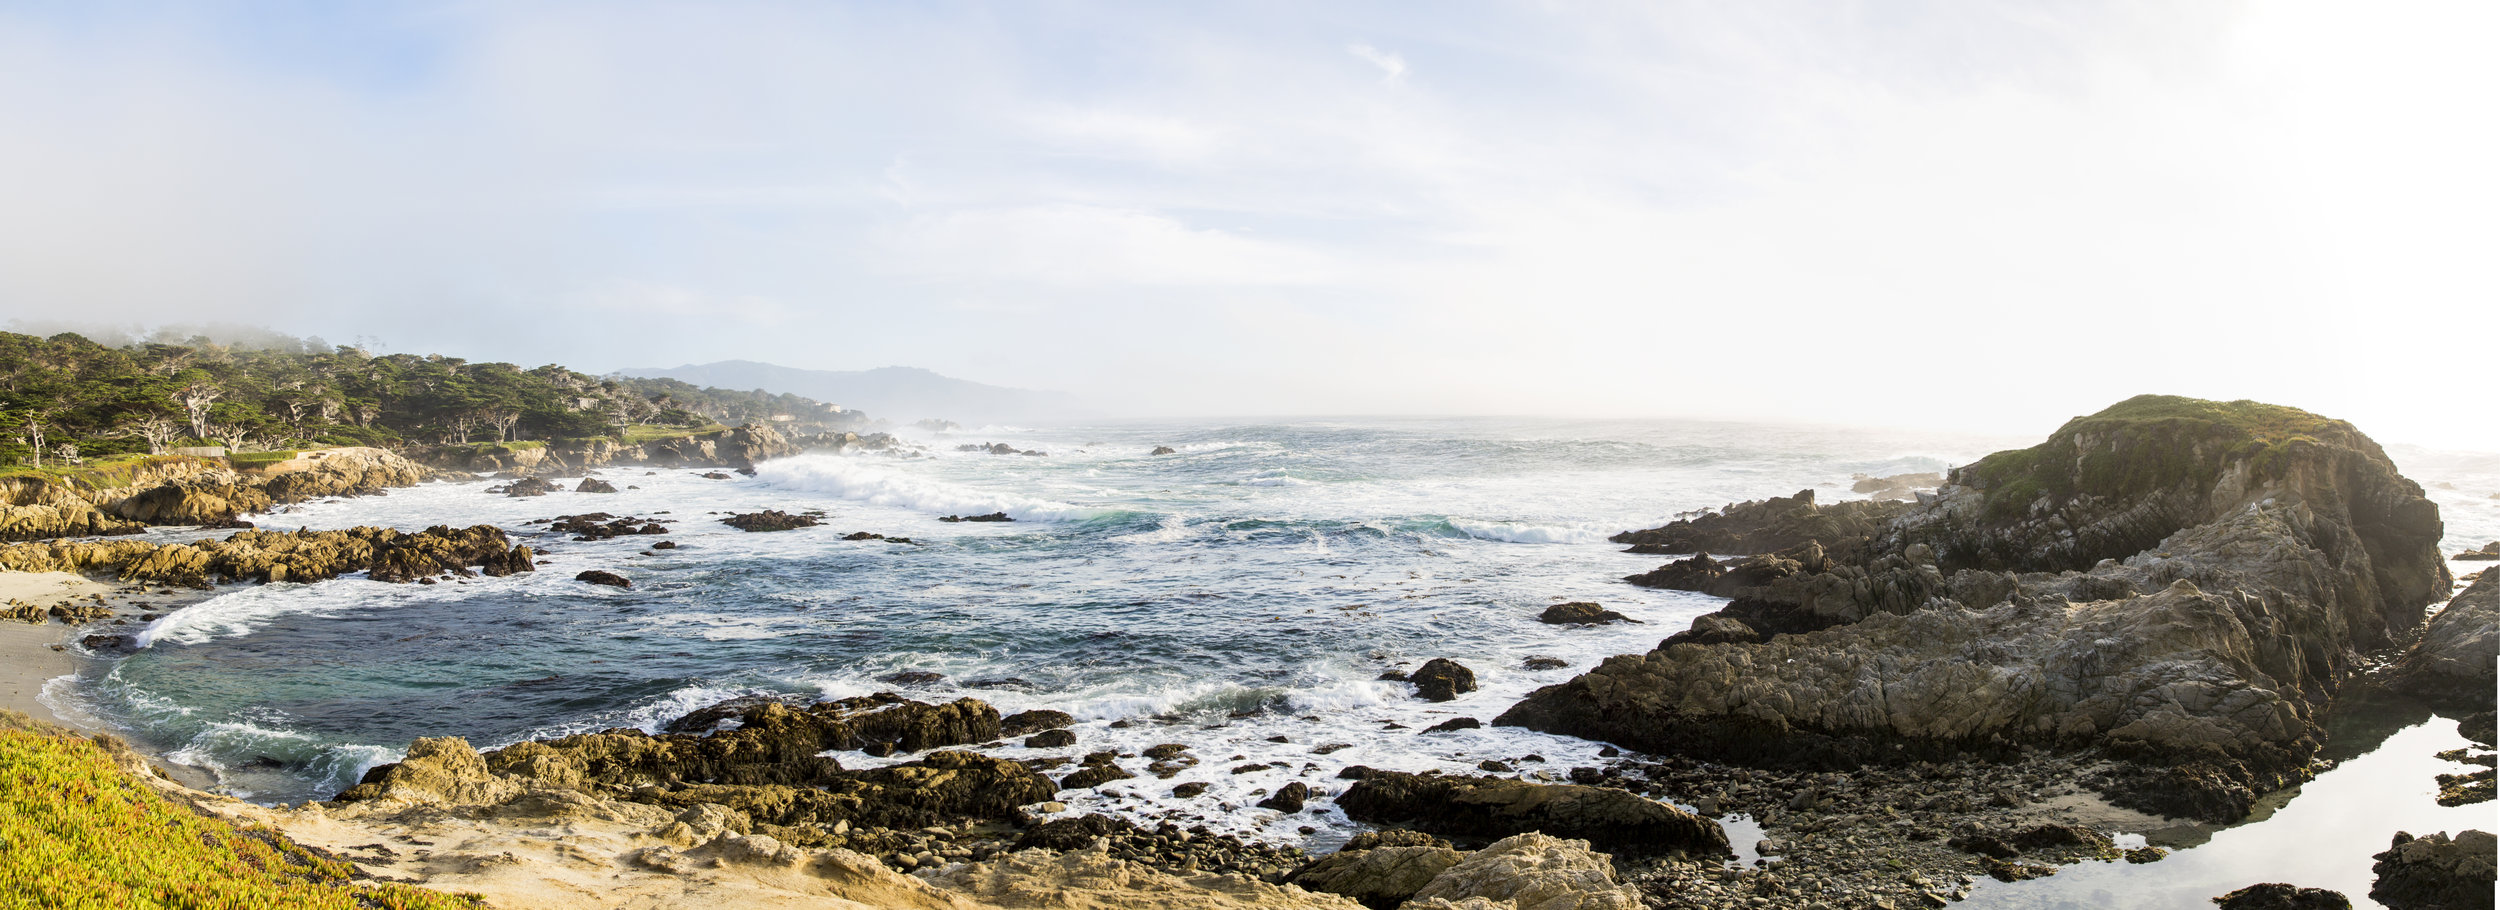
[(27, 658)]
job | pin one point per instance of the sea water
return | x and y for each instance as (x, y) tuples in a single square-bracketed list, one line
[(1241, 596)]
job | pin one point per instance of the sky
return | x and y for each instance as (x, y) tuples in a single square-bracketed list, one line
[(1982, 216)]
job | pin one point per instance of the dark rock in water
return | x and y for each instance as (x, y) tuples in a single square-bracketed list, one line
[(715, 475), (1443, 679), (1093, 774), (2489, 551), (911, 677), (2054, 843), (1393, 837), (2279, 896), (1288, 798), (1381, 878), (993, 516), (1165, 751), (2454, 662), (708, 718), (665, 545), (1489, 807), (862, 535), (2434, 872), (1189, 790), (1697, 572), (594, 485), (1050, 739), (1023, 722), (105, 642), (2277, 547), (1581, 613), (1063, 834), (2478, 728), (611, 579), (770, 520), (1765, 526), (1164, 450), (529, 486), (1544, 663), (1455, 723)]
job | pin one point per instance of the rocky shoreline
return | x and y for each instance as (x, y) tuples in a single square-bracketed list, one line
[(2138, 623)]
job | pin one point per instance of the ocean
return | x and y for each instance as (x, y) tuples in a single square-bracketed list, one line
[(1241, 596)]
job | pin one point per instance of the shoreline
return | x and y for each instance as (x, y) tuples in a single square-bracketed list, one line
[(33, 654)]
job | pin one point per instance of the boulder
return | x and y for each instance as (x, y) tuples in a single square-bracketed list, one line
[(2485, 553), (2279, 896), (597, 577), (1443, 679), (1288, 799), (2454, 661), (1492, 807), (1023, 722), (1050, 739), (1581, 613), (993, 516), (528, 486), (1530, 872), (1164, 450), (594, 485), (2434, 872), (1380, 878)]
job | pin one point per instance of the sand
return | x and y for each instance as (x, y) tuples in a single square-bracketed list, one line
[(27, 659)]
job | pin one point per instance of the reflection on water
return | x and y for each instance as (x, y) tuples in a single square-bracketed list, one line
[(2319, 835)]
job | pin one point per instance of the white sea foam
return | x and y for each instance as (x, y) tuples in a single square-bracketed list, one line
[(1528, 532), (856, 480)]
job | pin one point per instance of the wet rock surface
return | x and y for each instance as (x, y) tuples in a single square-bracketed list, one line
[(2280, 896), (2455, 661), (1442, 679), (770, 520), (2435, 872), (1581, 614), (385, 554)]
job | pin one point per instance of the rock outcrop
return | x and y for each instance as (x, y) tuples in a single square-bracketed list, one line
[(2455, 659), (770, 520), (1494, 807), (188, 491), (2279, 896), (2182, 582), (1443, 679), (2435, 872), (1530, 872), (385, 554), (1581, 613), (1380, 877)]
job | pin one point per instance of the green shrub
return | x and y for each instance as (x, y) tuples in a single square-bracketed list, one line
[(76, 831), (258, 459)]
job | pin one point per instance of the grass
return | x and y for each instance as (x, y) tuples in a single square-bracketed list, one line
[(78, 832), (259, 459), (641, 433), (2147, 443)]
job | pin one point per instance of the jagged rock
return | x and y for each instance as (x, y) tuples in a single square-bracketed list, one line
[(1492, 807), (2434, 872), (440, 771), (708, 718), (1093, 774), (1544, 663), (2454, 661), (1377, 877), (1902, 487), (528, 486), (1455, 723), (2278, 546), (2279, 896), (1023, 722), (1164, 450), (1714, 629), (597, 577), (993, 516), (594, 485), (2478, 728), (1581, 613), (2487, 552), (1530, 872), (770, 520), (1443, 679), (1765, 526), (911, 677), (1050, 739)]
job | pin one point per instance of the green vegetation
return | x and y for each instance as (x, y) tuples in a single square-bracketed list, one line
[(67, 400), (642, 433), (258, 459), (78, 832), (2148, 443), (111, 471)]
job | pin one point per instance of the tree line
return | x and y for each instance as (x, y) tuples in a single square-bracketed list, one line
[(66, 398)]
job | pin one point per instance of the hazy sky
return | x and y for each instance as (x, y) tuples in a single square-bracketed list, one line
[(1979, 215)]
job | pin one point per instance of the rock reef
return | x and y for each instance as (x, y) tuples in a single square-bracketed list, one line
[(384, 554), (2180, 583)]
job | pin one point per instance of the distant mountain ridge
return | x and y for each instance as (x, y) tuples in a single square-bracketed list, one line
[(895, 393)]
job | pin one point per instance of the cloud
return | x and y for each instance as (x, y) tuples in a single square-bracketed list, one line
[(1085, 246), (1392, 66)]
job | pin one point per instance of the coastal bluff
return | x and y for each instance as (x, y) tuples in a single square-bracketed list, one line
[(2179, 584)]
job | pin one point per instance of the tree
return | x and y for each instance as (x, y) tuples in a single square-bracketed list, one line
[(196, 397)]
